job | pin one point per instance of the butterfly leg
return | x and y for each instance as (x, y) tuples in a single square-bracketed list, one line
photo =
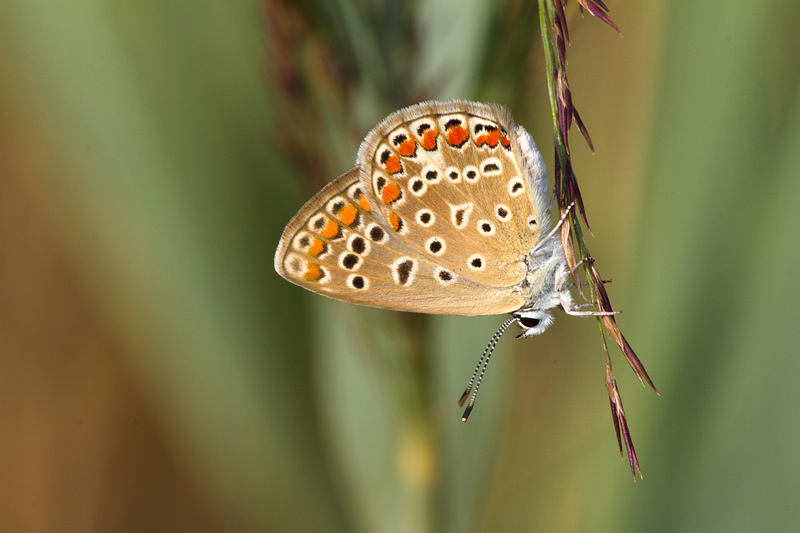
[(554, 230), (561, 285), (573, 309)]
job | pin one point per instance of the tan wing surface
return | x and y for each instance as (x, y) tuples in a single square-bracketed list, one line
[(342, 245), (438, 216), (452, 178)]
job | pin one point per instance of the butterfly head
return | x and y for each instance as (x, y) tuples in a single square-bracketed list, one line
[(532, 321), (536, 318)]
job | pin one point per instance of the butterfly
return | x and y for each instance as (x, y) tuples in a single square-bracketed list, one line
[(446, 211)]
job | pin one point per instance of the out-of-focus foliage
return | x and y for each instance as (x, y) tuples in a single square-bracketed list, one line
[(158, 375)]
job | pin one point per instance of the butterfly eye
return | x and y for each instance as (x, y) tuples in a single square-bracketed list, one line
[(533, 322)]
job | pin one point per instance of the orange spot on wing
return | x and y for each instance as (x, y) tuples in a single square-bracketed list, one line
[(313, 272), (393, 165), (480, 139), (456, 135), (390, 193), (492, 138), (504, 141), (364, 203), (407, 148), (395, 221), (316, 248), (429, 139), (330, 230), (348, 214)]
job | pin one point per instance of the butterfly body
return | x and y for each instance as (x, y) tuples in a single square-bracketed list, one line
[(445, 212)]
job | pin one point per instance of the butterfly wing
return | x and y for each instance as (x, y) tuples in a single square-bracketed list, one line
[(438, 216), (454, 177)]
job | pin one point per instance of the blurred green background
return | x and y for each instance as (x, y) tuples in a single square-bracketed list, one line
[(156, 374)]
